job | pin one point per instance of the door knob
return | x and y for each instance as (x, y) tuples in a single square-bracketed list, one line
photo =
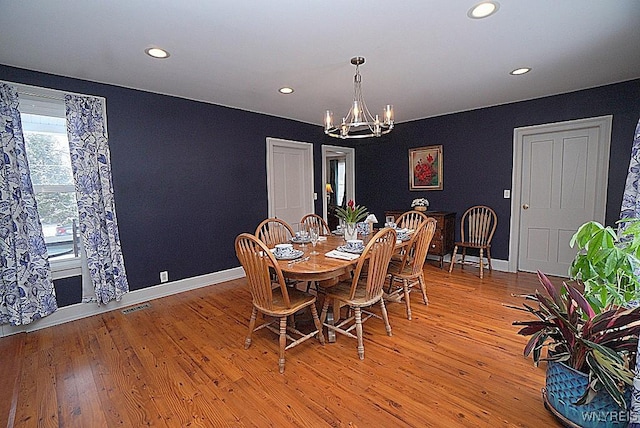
[(525, 206)]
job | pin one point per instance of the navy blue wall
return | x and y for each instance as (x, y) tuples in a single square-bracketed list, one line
[(189, 176), (478, 153)]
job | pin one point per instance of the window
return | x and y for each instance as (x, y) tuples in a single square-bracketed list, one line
[(45, 133)]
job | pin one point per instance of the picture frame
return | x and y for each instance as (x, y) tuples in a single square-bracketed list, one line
[(425, 168)]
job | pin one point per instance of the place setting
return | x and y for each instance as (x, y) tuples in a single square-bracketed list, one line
[(353, 246), (286, 252), (350, 251), (402, 235), (302, 235)]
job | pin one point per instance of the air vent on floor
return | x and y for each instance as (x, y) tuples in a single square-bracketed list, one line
[(136, 308)]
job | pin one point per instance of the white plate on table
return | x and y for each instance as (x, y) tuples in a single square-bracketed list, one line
[(296, 240), (290, 256), (338, 232), (346, 249)]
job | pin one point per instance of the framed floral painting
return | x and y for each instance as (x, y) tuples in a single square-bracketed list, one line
[(425, 168)]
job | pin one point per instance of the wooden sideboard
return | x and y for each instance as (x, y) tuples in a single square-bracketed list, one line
[(444, 236)]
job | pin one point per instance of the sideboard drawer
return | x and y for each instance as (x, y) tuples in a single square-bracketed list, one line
[(436, 247)]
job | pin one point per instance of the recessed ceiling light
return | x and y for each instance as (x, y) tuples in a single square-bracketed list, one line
[(484, 9), (285, 90), (519, 71), (157, 53)]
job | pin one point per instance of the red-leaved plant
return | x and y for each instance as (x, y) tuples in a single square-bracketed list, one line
[(601, 345)]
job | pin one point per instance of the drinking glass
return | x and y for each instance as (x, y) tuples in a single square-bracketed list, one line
[(302, 233), (314, 234)]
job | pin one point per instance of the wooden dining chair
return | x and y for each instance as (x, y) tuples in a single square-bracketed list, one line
[(410, 219), (274, 231), (277, 301), (364, 289), (409, 270), (316, 220), (476, 230)]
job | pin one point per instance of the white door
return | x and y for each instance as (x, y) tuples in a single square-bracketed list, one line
[(289, 179), (349, 155), (563, 182)]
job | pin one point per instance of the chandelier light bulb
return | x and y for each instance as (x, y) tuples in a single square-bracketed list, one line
[(328, 120), (388, 114)]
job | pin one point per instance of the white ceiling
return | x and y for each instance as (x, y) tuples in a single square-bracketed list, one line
[(425, 57)]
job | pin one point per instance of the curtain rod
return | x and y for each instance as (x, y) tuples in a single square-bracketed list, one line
[(42, 92)]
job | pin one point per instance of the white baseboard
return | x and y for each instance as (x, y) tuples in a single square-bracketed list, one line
[(83, 310), (497, 264)]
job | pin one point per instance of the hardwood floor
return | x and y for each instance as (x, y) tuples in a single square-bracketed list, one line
[(181, 362)]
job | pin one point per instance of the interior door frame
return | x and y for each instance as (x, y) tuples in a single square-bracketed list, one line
[(603, 123), (299, 145), (350, 172)]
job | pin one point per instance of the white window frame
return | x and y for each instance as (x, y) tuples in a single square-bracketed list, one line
[(43, 102)]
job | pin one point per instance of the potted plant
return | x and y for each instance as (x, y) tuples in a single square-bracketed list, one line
[(351, 214), (606, 264), (589, 354)]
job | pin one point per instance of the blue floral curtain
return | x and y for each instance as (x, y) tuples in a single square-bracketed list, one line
[(631, 209), (91, 164), (26, 288)]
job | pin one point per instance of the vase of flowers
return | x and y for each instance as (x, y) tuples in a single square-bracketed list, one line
[(420, 204), (350, 215)]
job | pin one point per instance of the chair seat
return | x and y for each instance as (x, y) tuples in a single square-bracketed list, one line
[(398, 257), (299, 299), (342, 292), (472, 245), (396, 269)]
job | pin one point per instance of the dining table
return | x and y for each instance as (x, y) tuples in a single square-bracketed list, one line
[(323, 270)]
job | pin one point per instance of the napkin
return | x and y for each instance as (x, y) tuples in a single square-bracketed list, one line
[(341, 255), (371, 219), (322, 238)]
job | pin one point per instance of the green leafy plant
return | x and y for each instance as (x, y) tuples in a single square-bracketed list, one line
[(606, 263), (352, 213), (602, 345)]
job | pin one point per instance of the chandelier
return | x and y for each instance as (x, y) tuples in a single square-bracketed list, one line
[(359, 122)]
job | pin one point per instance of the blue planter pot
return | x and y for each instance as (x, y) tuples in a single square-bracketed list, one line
[(565, 385)]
